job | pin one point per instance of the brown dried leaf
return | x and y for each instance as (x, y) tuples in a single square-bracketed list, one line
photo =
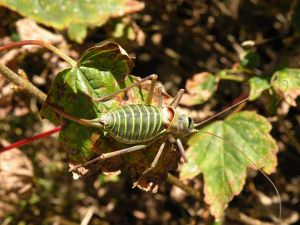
[(150, 181), (16, 180)]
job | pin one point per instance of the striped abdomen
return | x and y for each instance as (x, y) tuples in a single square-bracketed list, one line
[(132, 124)]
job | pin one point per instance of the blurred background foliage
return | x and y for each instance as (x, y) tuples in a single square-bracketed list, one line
[(237, 45)]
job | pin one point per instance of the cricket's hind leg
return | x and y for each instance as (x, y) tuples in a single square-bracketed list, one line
[(110, 155)]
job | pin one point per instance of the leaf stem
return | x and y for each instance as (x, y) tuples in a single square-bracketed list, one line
[(47, 45), (24, 84), (189, 190), (29, 140)]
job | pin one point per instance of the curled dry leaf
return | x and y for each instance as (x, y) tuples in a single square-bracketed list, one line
[(16, 180), (199, 89), (140, 161)]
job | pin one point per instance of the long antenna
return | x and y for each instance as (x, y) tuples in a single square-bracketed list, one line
[(240, 102), (260, 170)]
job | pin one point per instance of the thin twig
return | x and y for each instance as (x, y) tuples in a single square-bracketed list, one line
[(24, 84), (88, 215), (189, 190)]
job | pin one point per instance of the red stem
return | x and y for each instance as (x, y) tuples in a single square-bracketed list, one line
[(18, 44), (26, 141)]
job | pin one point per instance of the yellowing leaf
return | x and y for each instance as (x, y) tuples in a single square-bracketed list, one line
[(223, 165), (61, 14)]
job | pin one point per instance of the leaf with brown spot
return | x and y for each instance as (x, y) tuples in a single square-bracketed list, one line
[(222, 164), (102, 70), (76, 15)]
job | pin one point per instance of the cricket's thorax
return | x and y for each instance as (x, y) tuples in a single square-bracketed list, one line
[(135, 123)]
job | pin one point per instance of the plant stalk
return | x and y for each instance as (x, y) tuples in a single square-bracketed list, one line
[(22, 83), (189, 190), (29, 140)]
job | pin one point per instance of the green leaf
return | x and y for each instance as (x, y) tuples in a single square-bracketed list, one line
[(101, 70), (257, 84), (223, 165), (287, 81), (199, 89), (61, 14), (77, 32)]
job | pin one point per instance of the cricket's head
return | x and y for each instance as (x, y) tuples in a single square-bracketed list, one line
[(177, 123)]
